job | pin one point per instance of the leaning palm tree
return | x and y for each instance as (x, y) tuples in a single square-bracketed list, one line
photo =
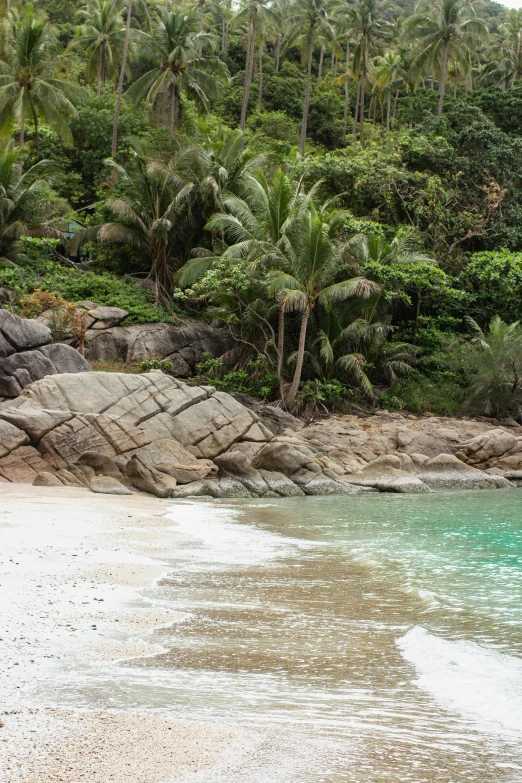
[(314, 263), (27, 87), (147, 214), (186, 63), (102, 36), (28, 206), (448, 32)]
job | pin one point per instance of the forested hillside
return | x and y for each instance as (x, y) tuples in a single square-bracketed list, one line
[(338, 183)]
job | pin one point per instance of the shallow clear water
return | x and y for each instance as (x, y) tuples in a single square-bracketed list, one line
[(376, 638)]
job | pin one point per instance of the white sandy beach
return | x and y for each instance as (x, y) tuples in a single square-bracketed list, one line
[(71, 567)]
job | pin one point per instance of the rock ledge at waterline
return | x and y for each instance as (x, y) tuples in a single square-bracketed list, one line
[(117, 432)]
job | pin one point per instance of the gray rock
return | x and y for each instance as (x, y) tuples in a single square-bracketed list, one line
[(108, 485), (386, 475), (22, 333), (227, 488), (447, 472), (490, 444), (281, 484), (170, 458), (46, 479), (136, 343), (6, 349), (65, 358), (283, 457), (35, 422), (100, 464), (11, 438), (106, 316)]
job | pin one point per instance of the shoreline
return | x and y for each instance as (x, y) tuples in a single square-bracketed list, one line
[(72, 568)]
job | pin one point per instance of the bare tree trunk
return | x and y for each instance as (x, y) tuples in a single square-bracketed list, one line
[(306, 106), (356, 113), (260, 93), (388, 108), (443, 74), (346, 87), (277, 52), (249, 70), (321, 58), (300, 358), (121, 80)]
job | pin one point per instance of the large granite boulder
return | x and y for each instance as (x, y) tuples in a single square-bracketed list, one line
[(182, 345), (448, 472), (27, 355)]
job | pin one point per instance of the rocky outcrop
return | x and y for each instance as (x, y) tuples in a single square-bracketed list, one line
[(27, 355), (182, 345), (117, 432)]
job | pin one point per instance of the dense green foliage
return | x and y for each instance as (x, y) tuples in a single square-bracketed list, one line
[(338, 183)]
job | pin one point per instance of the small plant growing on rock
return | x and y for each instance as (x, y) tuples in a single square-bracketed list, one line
[(165, 365)]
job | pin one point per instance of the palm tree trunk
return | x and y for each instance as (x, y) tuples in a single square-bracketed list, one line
[(346, 88), (277, 52), (223, 36), (121, 80), (361, 129), (21, 139), (374, 116), (306, 106), (443, 74), (201, 4), (356, 113), (321, 58), (249, 70), (173, 107), (300, 358), (395, 106), (455, 89), (260, 93), (388, 109), (280, 344), (99, 78)]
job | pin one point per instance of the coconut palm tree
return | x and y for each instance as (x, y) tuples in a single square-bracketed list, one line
[(314, 262), (449, 31), (257, 14), (121, 78), (223, 13), (28, 206), (308, 20), (28, 90), (255, 227), (389, 77), (505, 60), (147, 214), (175, 44), (102, 35), (365, 20)]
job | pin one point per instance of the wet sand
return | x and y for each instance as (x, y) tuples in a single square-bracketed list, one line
[(71, 567)]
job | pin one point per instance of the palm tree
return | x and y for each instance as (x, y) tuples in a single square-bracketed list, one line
[(390, 75), (223, 12), (256, 14), (314, 262), (506, 61), (350, 342), (448, 32), (28, 205), (365, 21), (255, 226), (102, 35), (27, 89), (309, 19), (147, 213), (175, 43), (493, 359), (121, 79)]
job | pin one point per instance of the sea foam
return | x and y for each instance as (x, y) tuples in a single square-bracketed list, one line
[(480, 683)]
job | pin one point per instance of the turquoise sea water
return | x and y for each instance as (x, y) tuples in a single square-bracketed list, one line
[(370, 639)]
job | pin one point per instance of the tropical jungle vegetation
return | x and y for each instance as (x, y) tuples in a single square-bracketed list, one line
[(337, 182)]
